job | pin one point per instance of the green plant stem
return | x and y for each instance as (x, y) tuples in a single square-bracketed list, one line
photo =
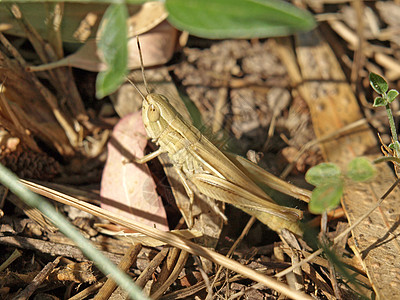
[(387, 158), (393, 129), (8, 179)]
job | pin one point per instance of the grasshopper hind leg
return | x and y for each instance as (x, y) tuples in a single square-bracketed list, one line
[(190, 193), (211, 203)]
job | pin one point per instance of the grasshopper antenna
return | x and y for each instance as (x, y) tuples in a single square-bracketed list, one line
[(142, 66), (136, 87)]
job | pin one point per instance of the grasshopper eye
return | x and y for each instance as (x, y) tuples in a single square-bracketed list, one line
[(153, 113)]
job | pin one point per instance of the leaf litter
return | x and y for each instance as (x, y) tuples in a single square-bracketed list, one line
[(379, 60)]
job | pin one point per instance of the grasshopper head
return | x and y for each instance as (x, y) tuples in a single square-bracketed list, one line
[(157, 114)]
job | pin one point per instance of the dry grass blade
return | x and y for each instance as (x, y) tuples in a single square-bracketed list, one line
[(180, 264), (168, 238), (10, 260), (61, 78)]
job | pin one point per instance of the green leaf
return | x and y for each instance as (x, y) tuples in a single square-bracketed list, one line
[(378, 83), (326, 197), (323, 174), (379, 101), (395, 146), (113, 48), (238, 18), (391, 95), (360, 169)]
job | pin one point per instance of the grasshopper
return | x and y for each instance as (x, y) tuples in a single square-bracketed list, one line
[(221, 176)]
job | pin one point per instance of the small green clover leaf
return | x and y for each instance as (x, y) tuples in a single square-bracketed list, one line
[(329, 187), (379, 101), (391, 95), (378, 83), (326, 197), (323, 173), (360, 169)]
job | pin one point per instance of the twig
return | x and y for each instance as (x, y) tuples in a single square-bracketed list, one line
[(234, 246), (174, 275), (152, 266), (89, 290), (166, 269), (358, 60), (20, 130), (126, 262), (60, 78), (37, 281), (218, 115), (204, 276), (290, 240)]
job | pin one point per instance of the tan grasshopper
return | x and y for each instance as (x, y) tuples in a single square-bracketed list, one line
[(220, 176)]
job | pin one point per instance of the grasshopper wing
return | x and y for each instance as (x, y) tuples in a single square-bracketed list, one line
[(258, 174)]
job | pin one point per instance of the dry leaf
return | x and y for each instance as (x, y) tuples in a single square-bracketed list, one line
[(159, 44), (127, 188)]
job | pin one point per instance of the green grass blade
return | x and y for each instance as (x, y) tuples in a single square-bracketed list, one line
[(8, 179)]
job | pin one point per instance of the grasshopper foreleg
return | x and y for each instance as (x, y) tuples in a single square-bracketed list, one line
[(148, 157)]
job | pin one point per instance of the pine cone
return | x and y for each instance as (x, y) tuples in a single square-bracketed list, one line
[(29, 164)]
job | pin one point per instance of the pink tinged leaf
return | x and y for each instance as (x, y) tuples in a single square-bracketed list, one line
[(128, 188)]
